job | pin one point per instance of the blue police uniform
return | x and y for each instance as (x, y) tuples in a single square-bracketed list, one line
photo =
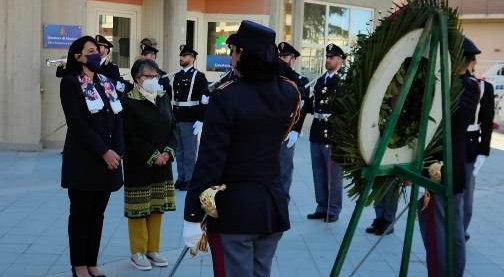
[(287, 153), (189, 85)]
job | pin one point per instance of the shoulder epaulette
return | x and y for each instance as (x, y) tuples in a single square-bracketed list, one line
[(225, 84)]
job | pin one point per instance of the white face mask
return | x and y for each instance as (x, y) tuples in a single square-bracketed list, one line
[(152, 86)]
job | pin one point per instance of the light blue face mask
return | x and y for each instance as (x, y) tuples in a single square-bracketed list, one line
[(152, 86)]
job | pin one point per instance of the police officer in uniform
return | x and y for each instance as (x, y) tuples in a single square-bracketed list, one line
[(327, 175), (288, 55), (150, 52), (189, 99), (245, 124), (432, 217), (479, 133), (228, 75)]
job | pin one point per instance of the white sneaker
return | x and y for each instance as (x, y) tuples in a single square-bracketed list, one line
[(156, 259), (140, 261)]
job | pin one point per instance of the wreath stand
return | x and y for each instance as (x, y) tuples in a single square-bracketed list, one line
[(433, 36)]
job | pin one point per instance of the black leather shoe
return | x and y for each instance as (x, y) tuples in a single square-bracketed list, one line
[(380, 230), (183, 186), (331, 218), (372, 229), (97, 275), (178, 184), (316, 215)]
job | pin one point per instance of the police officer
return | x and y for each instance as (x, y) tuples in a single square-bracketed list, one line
[(189, 99), (229, 75), (245, 124), (150, 52), (432, 217), (288, 56), (327, 175), (479, 133)]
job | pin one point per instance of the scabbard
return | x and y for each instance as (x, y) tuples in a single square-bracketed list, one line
[(179, 260)]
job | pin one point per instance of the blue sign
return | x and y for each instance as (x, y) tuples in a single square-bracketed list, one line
[(60, 36), (218, 63)]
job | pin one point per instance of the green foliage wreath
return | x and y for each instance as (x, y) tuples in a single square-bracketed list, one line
[(366, 56)]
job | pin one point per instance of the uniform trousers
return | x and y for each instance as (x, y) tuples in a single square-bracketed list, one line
[(432, 228), (286, 158), (85, 225), (187, 144), (386, 209), (244, 255), (327, 179), (468, 196), (144, 233)]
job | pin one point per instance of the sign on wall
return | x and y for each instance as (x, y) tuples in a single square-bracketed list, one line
[(60, 36)]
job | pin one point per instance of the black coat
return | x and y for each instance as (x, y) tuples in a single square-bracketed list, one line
[(321, 129), (181, 88), (478, 142), (88, 137), (301, 81), (149, 131), (243, 129)]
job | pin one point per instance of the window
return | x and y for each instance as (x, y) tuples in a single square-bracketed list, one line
[(287, 30), (117, 30), (217, 51), (324, 24)]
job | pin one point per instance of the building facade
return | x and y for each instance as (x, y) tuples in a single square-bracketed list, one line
[(35, 31)]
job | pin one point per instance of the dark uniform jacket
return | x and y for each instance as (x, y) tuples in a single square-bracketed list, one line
[(165, 82), (243, 129), (301, 81), (478, 142), (318, 105), (88, 137), (149, 131), (184, 109)]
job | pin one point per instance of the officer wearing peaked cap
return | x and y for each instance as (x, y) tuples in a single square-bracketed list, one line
[(150, 52), (431, 218), (288, 55), (245, 124), (189, 100), (327, 175)]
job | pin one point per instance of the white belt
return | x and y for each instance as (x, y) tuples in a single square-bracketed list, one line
[(185, 103), (321, 115)]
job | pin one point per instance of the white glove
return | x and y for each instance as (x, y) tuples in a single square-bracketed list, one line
[(191, 233), (291, 138), (197, 127), (480, 159), (204, 99), (120, 86)]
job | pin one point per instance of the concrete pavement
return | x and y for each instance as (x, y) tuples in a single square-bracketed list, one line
[(34, 213)]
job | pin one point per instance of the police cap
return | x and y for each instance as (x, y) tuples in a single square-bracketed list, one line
[(334, 50), (187, 50), (101, 40), (285, 49), (470, 48), (148, 49), (255, 39)]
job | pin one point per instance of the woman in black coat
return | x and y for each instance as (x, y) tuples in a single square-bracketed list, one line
[(92, 153), (150, 146)]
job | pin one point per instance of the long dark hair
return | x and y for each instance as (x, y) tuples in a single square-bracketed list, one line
[(253, 68), (72, 65)]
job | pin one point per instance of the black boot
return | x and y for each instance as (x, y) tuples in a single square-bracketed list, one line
[(178, 184), (372, 229), (380, 230)]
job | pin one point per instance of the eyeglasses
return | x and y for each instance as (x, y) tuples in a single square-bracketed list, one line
[(150, 76)]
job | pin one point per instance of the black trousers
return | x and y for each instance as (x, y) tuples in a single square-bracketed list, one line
[(85, 225)]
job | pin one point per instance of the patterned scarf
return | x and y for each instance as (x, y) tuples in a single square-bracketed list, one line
[(93, 100)]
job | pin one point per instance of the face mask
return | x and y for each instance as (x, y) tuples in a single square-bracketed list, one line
[(152, 86), (93, 62)]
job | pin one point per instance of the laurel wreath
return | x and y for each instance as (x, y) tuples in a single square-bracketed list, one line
[(366, 56)]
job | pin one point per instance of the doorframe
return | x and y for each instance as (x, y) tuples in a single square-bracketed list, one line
[(134, 12)]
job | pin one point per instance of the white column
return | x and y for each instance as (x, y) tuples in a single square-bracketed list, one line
[(175, 16)]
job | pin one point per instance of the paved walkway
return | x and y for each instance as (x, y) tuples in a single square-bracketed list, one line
[(34, 212)]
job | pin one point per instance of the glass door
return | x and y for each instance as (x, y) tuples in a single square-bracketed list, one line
[(119, 24)]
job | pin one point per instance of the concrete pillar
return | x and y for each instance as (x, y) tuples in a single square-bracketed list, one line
[(175, 16), (20, 39), (64, 12), (152, 27), (276, 20)]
